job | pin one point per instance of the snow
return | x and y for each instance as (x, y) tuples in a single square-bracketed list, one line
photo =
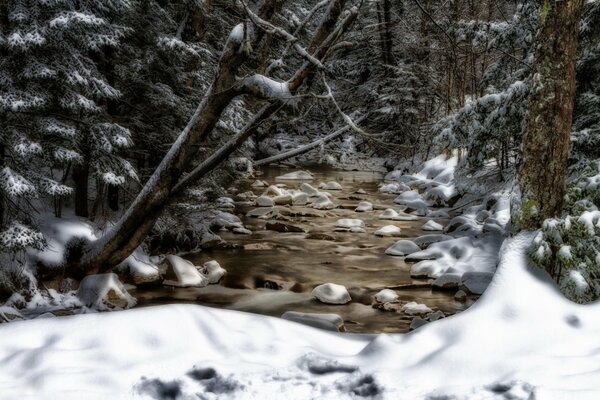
[(386, 296), (414, 308), (402, 248), (213, 271), (521, 340), (182, 273), (140, 269), (389, 231), (296, 176), (332, 293)]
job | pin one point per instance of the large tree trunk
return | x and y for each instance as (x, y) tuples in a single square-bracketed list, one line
[(547, 135), (136, 223)]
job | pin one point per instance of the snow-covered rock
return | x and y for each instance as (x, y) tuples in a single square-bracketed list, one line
[(213, 271), (438, 214), (393, 215), (408, 197), (329, 322), (104, 291), (386, 296), (182, 273), (414, 308), (141, 270), (259, 184), (308, 189), (225, 202), (389, 231), (300, 199), (350, 225), (283, 199), (364, 206), (426, 240), (427, 269), (431, 225), (242, 231), (330, 186), (322, 202), (296, 176), (332, 293), (402, 248), (264, 201), (394, 188)]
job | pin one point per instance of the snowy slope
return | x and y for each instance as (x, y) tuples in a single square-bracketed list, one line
[(520, 339)]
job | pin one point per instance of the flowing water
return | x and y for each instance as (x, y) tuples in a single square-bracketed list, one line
[(270, 272)]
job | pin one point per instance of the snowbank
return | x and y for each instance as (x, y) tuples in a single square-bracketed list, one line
[(521, 339)]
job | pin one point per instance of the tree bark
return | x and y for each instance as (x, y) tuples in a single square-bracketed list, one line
[(548, 130)]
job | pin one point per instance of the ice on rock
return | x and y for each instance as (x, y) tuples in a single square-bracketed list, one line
[(476, 282), (331, 293), (329, 322), (296, 176), (330, 186), (213, 271), (309, 190), (364, 206), (431, 225), (402, 248), (182, 273), (393, 215), (427, 269), (322, 202), (414, 308), (386, 296), (389, 231), (350, 225), (264, 201), (104, 291)]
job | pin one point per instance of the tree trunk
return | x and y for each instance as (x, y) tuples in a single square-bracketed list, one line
[(80, 178), (548, 131)]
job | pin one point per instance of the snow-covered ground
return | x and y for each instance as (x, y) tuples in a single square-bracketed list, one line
[(521, 340)]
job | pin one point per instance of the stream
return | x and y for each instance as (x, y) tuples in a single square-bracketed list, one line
[(270, 272)]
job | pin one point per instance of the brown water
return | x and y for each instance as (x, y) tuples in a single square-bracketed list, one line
[(270, 272)]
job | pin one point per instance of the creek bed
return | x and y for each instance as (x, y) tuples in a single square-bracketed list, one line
[(270, 272)]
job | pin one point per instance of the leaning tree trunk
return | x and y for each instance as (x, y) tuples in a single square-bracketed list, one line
[(547, 135), (121, 240)]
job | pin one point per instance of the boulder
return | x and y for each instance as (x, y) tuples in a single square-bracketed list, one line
[(282, 227), (364, 206), (389, 231), (434, 316), (331, 293), (417, 322), (447, 282), (476, 282), (213, 271), (431, 225), (329, 322), (386, 296), (104, 291), (296, 176), (182, 273), (402, 248)]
